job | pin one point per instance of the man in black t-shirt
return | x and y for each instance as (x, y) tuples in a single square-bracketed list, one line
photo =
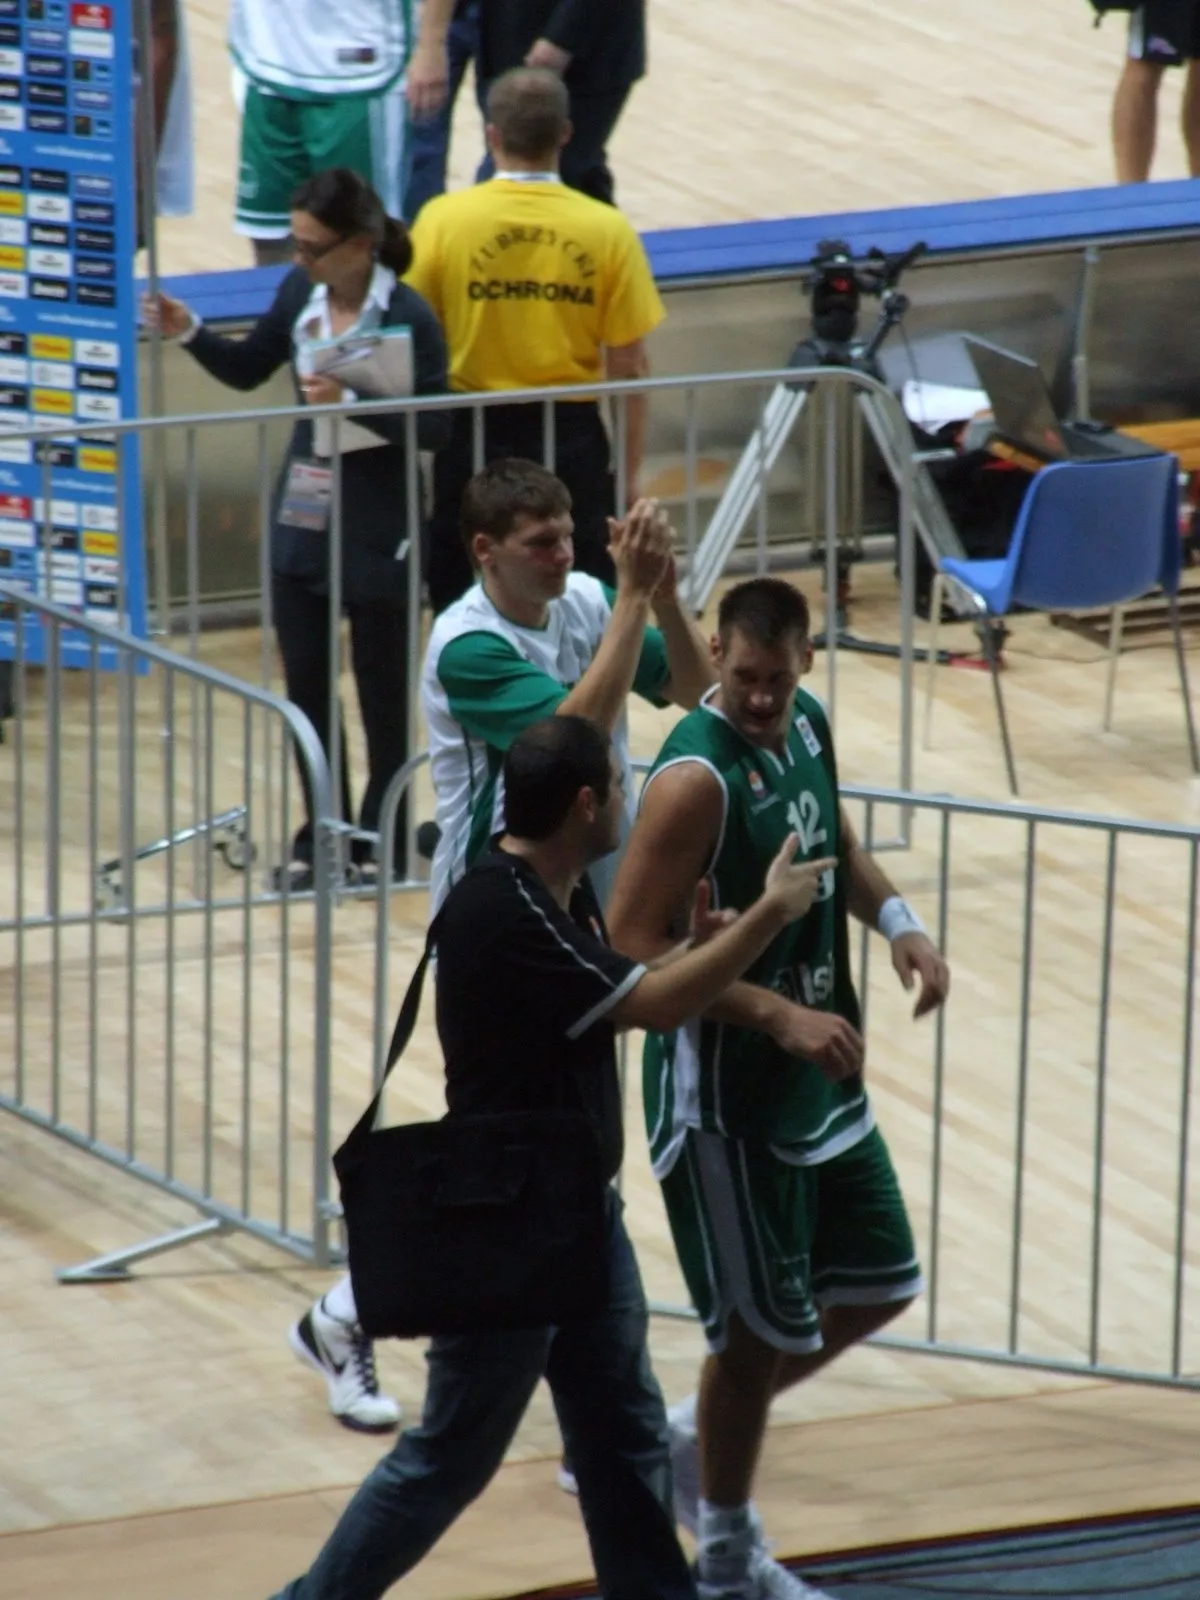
[(529, 995)]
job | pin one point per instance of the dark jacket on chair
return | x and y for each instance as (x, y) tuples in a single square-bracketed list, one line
[(374, 498)]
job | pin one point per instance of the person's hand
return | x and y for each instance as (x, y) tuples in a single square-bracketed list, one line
[(427, 81), (666, 593), (170, 317), (822, 1037), (640, 547), (793, 885), (319, 389), (545, 54), (707, 923), (915, 956)]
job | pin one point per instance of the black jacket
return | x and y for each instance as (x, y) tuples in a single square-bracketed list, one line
[(374, 499), (605, 38)]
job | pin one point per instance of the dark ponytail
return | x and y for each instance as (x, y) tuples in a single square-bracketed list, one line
[(346, 204), (395, 248)]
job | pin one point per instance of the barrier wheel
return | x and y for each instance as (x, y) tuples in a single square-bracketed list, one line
[(110, 895), (237, 851)]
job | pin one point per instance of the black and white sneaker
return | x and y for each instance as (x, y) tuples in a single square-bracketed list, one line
[(345, 1357)]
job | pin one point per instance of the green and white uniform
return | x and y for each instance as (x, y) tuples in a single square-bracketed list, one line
[(743, 1137), (484, 680), (324, 89)]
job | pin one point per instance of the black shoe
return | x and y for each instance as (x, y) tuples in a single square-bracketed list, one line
[(428, 838), (296, 878)]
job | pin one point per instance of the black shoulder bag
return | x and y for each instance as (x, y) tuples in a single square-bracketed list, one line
[(473, 1223)]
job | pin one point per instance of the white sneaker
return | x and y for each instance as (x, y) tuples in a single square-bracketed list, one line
[(566, 1479), (777, 1583), (345, 1357), (685, 1463), (740, 1567)]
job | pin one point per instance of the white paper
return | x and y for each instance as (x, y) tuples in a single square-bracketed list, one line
[(932, 405)]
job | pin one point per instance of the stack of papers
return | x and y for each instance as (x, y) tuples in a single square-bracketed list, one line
[(376, 366)]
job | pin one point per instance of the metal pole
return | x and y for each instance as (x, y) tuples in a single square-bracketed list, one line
[(147, 160)]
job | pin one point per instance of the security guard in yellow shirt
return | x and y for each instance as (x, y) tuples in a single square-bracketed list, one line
[(536, 286)]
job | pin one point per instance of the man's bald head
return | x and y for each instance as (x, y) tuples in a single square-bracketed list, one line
[(530, 111)]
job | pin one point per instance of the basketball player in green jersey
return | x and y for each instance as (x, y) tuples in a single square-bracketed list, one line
[(784, 1206)]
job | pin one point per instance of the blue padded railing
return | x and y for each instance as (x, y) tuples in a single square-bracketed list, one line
[(740, 249)]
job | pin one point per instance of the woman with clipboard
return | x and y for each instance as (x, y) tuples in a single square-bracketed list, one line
[(340, 312)]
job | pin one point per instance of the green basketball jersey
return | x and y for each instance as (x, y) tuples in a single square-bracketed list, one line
[(737, 1081)]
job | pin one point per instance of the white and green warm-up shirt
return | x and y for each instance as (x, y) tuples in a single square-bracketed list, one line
[(485, 679)]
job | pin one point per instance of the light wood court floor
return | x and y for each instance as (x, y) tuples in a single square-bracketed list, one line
[(779, 108), (159, 1440)]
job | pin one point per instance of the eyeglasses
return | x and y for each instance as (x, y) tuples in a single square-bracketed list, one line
[(314, 252)]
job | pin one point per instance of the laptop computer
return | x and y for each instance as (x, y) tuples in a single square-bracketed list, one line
[(1025, 415)]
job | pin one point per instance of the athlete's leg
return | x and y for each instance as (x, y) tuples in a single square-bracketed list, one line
[(1191, 116), (1135, 104), (271, 163)]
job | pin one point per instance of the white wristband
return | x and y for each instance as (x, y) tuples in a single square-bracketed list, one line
[(190, 332), (897, 917)]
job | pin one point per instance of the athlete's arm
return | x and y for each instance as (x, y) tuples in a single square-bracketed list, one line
[(640, 550), (427, 80), (672, 844), (689, 660), (666, 997), (914, 954), (622, 362)]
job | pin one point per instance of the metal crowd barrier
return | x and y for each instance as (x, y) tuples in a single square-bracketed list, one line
[(164, 1012), (1043, 1121), (210, 482)]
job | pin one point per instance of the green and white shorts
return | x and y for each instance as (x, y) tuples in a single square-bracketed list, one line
[(774, 1241), (286, 141)]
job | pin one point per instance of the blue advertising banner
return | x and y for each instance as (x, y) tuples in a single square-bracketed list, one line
[(70, 506)]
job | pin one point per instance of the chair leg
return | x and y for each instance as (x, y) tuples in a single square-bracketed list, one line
[(1116, 628), (1184, 687), (989, 646), (936, 592)]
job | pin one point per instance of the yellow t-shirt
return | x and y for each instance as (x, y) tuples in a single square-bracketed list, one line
[(530, 281)]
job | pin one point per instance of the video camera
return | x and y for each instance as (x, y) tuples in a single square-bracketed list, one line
[(836, 286)]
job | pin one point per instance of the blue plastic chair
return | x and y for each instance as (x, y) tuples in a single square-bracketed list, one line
[(1089, 533)]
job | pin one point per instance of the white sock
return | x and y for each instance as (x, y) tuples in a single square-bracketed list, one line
[(339, 1302), (682, 1414), (730, 1526)]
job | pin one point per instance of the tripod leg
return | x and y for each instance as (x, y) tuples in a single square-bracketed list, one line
[(743, 490)]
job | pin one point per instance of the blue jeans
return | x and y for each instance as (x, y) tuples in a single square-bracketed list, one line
[(613, 1423), (428, 145)]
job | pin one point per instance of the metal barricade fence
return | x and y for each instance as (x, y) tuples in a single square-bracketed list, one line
[(214, 475), (164, 1013), (1042, 1124)]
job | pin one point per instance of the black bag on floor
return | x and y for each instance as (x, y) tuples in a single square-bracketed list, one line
[(473, 1223)]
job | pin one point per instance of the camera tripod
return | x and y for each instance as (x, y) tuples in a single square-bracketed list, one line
[(835, 293)]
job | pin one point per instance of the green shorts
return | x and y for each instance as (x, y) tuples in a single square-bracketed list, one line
[(285, 141), (773, 1241)]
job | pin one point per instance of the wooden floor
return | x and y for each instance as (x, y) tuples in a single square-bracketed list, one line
[(159, 1439), (792, 107)]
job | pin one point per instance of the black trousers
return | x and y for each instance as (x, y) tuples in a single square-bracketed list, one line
[(583, 460), (379, 658), (584, 162)]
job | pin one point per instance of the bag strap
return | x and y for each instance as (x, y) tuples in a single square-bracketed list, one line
[(410, 1006)]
